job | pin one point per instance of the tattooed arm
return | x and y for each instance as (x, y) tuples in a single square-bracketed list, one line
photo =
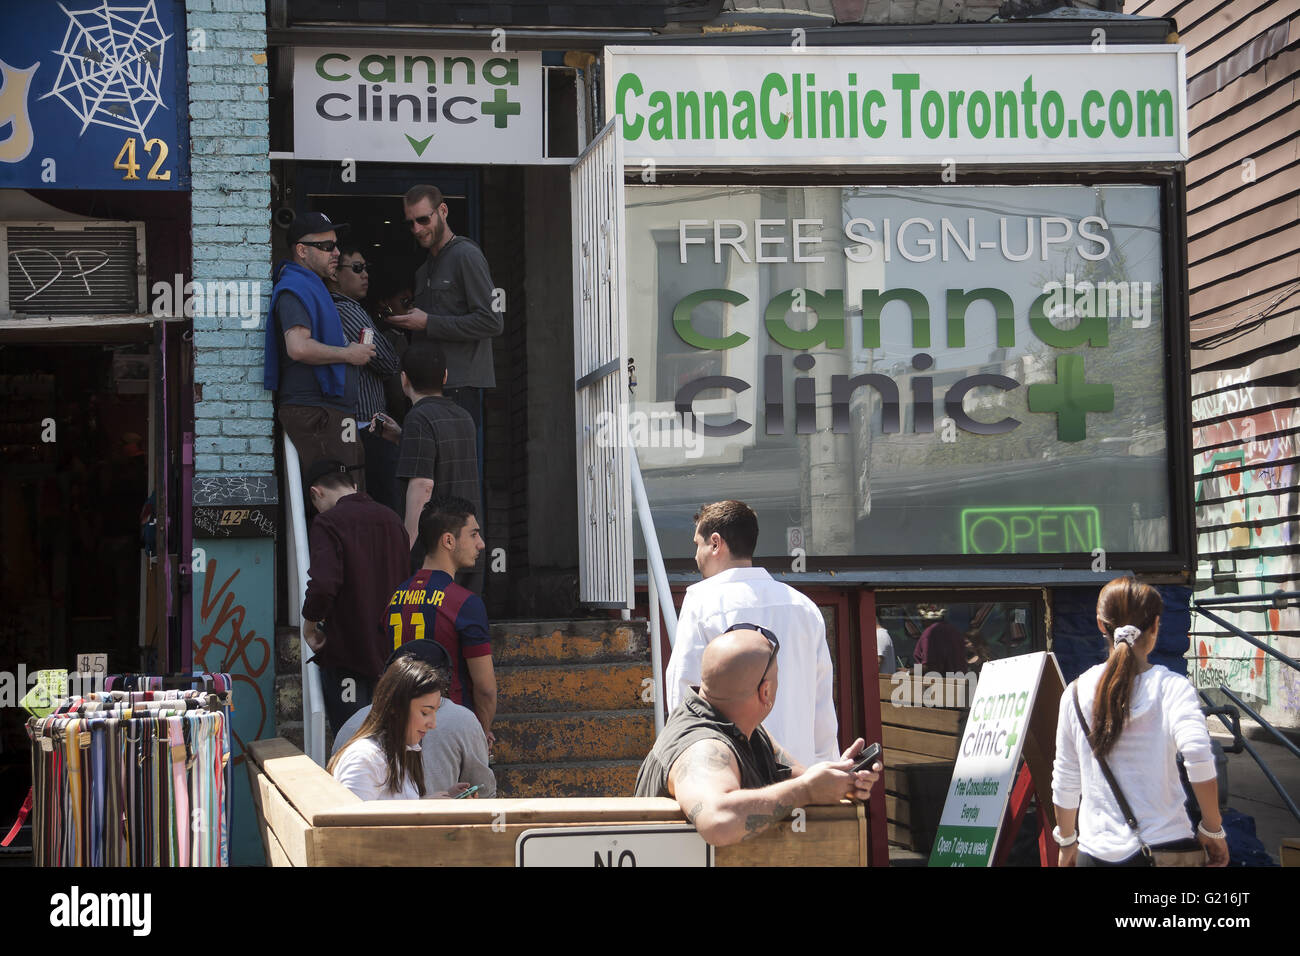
[(705, 780), (784, 756)]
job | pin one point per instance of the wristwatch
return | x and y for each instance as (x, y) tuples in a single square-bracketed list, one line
[(1071, 840)]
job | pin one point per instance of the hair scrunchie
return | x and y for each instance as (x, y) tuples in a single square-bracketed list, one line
[(1128, 634)]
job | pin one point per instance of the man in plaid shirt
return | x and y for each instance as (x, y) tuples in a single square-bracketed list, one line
[(439, 444)]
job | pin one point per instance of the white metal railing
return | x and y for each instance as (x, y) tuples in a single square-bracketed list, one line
[(313, 698), (660, 596)]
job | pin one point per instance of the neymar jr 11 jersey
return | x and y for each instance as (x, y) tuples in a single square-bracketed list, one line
[(431, 606)]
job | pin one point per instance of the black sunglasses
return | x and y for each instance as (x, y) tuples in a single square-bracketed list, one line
[(324, 245), (422, 220), (776, 645), (358, 267)]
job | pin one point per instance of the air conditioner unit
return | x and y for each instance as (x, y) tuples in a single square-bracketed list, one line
[(83, 268)]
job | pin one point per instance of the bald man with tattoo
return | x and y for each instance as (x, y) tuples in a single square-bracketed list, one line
[(716, 760)]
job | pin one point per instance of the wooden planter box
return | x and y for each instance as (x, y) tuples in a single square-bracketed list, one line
[(307, 818), (920, 745)]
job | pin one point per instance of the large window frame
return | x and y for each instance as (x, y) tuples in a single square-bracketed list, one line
[(1170, 180)]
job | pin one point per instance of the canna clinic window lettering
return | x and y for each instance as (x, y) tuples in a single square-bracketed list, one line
[(878, 370)]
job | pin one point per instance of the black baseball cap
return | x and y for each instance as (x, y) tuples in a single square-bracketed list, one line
[(327, 466), (423, 649), (310, 223)]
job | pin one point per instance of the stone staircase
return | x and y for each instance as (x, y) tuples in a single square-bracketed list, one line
[(575, 716)]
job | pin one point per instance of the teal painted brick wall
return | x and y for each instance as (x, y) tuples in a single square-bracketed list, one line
[(230, 142)]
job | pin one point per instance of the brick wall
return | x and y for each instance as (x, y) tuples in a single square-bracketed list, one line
[(229, 135)]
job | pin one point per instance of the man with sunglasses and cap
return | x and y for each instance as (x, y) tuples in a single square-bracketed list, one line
[(454, 753), (309, 361), (717, 760), (348, 289), (726, 534)]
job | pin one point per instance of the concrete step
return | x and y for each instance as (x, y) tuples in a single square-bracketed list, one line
[(577, 778), (560, 642), (556, 738), (548, 688)]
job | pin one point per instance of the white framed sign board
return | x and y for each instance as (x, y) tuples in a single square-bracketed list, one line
[(988, 758), (669, 844)]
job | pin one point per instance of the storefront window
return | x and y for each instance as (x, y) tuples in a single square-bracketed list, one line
[(947, 636), (881, 371)]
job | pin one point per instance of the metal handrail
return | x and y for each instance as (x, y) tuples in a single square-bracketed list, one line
[(660, 596), (1276, 599), (313, 697)]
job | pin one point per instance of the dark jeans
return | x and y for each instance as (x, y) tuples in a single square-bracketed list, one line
[(470, 398), (381, 471), (337, 709), (1138, 858)]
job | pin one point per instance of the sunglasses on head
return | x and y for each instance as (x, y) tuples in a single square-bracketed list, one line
[(324, 245), (776, 645), (358, 267)]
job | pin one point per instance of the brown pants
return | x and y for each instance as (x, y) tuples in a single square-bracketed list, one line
[(319, 432)]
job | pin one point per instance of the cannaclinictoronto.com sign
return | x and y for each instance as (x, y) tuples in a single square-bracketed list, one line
[(411, 106), (742, 107)]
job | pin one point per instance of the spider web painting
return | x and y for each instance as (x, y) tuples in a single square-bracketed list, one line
[(112, 65)]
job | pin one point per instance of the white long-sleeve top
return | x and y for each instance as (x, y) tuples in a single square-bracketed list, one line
[(363, 770), (803, 717), (1165, 719)]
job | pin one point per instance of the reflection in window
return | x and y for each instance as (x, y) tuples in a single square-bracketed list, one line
[(957, 637)]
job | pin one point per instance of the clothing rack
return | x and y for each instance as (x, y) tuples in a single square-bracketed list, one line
[(134, 777)]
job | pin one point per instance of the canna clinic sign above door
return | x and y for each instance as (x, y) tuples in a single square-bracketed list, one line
[(411, 106), (891, 106)]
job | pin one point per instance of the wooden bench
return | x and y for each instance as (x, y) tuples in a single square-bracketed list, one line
[(920, 742), (307, 818)]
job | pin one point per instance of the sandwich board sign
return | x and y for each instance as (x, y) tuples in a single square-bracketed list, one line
[(1007, 700)]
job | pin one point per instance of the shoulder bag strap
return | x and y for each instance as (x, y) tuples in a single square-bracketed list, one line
[(1124, 807)]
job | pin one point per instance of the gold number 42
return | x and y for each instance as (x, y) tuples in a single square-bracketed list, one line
[(126, 160)]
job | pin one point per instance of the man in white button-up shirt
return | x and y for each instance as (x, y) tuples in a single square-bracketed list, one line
[(734, 591)]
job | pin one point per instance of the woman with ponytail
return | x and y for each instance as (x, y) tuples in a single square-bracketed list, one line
[(1136, 717)]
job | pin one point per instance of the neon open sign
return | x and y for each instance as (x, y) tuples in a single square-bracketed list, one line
[(1027, 530)]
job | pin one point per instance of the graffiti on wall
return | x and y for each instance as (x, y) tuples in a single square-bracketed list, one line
[(227, 647), (1247, 520)]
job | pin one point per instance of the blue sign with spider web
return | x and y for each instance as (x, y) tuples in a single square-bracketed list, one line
[(93, 95)]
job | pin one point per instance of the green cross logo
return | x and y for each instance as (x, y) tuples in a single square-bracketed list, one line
[(500, 109), (1071, 398)]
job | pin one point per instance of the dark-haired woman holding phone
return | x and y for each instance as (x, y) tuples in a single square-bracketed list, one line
[(382, 762), (1137, 717)]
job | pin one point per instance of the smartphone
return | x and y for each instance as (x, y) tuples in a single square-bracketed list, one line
[(468, 793), (867, 758)]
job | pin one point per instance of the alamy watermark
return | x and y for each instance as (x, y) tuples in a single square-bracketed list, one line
[(240, 299), (1084, 299), (14, 686), (916, 688), (650, 429)]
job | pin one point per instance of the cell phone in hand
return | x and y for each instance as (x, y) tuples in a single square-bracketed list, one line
[(468, 793), (867, 758)]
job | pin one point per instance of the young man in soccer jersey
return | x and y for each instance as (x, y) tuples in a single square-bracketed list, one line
[(431, 605)]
